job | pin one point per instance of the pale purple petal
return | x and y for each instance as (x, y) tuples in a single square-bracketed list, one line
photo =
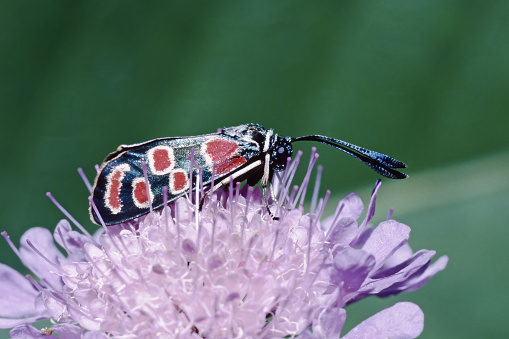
[(349, 207), (10, 323), (52, 303), (341, 233), (42, 240), (436, 267), (73, 241), (68, 331), (307, 334), (94, 335), (401, 254), (408, 267), (329, 322), (372, 203), (418, 279), (350, 268), (385, 240), (385, 282), (27, 331), (341, 228), (401, 321), (17, 295), (361, 236)]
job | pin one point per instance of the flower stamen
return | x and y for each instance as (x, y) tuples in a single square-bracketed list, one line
[(147, 186), (316, 189), (85, 179), (68, 215)]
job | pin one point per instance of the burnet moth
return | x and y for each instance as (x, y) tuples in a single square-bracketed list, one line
[(246, 152)]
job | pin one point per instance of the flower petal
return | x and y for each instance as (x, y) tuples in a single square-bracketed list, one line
[(372, 203), (329, 322), (94, 335), (42, 240), (74, 241), (10, 323), (403, 320), (399, 256), (350, 206), (26, 331), (68, 331), (351, 268), (436, 267), (341, 233), (387, 237), (394, 280), (418, 279), (17, 295)]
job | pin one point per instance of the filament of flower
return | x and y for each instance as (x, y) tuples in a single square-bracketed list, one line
[(43, 256), (147, 186), (316, 189), (85, 180), (287, 181), (97, 213), (68, 215), (16, 251), (302, 190)]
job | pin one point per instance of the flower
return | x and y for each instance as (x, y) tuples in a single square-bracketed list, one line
[(227, 271)]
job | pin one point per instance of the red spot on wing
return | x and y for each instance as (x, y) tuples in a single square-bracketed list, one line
[(113, 187), (218, 150), (230, 164), (113, 196), (179, 181), (140, 192), (161, 160)]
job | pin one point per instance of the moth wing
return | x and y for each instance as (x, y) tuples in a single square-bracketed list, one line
[(126, 148), (120, 193)]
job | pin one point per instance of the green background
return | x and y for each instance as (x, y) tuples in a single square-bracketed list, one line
[(424, 81)]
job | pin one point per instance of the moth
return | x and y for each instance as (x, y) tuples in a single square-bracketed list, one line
[(246, 152)]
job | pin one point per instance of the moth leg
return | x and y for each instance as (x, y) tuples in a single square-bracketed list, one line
[(272, 194), (266, 182), (266, 201), (206, 195)]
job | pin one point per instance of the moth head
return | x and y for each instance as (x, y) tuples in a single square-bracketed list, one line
[(280, 150)]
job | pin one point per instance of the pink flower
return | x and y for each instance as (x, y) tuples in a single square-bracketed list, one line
[(228, 271)]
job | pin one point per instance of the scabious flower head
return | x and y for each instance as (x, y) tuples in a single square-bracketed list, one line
[(227, 271)]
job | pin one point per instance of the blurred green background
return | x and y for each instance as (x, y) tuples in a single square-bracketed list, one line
[(424, 81)]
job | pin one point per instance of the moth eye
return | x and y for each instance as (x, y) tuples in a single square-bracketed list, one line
[(281, 150)]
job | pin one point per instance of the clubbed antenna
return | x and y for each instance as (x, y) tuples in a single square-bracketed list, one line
[(380, 163)]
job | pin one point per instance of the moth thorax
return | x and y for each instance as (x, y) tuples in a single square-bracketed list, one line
[(280, 150)]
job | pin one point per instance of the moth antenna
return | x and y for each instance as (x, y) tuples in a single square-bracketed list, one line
[(379, 162)]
